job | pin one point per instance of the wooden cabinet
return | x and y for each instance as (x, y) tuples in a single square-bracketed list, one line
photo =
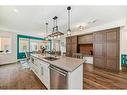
[(85, 39), (74, 45), (71, 45), (99, 49), (112, 48), (106, 49), (68, 47)]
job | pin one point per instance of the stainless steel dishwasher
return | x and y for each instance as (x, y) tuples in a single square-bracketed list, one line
[(58, 78)]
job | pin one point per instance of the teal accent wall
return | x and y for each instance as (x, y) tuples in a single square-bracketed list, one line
[(21, 55)]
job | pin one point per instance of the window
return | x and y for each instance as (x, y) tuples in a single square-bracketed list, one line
[(5, 45), (34, 45), (30, 44), (24, 45)]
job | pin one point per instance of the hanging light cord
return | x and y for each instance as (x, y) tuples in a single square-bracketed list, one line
[(56, 24), (46, 28), (53, 24), (68, 19)]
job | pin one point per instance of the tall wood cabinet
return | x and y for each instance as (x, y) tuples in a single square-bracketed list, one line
[(71, 45), (99, 49), (106, 49), (112, 48)]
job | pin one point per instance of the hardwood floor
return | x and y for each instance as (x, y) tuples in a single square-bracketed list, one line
[(95, 78), (13, 76)]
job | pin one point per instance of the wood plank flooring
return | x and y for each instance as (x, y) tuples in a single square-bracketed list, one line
[(14, 77), (95, 78)]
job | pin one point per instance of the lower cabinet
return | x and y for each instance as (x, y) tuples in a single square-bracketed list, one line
[(42, 71), (45, 74), (40, 68)]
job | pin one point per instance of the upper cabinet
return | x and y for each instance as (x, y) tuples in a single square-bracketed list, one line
[(85, 39)]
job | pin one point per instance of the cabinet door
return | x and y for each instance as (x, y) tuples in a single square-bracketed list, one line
[(106, 49), (74, 45), (68, 50), (71, 45), (74, 40), (99, 49), (89, 38), (68, 46), (45, 74), (68, 40), (86, 39), (112, 48)]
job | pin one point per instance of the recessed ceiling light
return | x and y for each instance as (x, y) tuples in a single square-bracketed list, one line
[(93, 21)]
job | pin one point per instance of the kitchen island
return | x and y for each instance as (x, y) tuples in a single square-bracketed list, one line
[(60, 73)]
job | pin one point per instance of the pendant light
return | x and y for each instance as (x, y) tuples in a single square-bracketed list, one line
[(55, 33), (68, 30)]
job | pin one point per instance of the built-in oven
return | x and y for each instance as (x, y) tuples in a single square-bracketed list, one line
[(58, 78)]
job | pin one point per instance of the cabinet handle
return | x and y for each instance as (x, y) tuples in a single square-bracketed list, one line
[(42, 71), (57, 71)]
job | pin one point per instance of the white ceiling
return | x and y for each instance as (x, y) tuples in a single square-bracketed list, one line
[(32, 19)]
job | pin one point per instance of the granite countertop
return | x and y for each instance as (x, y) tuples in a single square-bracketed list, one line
[(67, 63)]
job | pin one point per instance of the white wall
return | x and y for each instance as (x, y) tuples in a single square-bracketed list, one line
[(123, 41), (117, 23), (0, 44), (9, 57)]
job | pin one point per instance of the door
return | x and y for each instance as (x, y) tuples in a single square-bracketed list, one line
[(99, 49), (112, 48)]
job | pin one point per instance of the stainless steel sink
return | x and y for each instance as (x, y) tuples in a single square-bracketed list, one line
[(50, 58)]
